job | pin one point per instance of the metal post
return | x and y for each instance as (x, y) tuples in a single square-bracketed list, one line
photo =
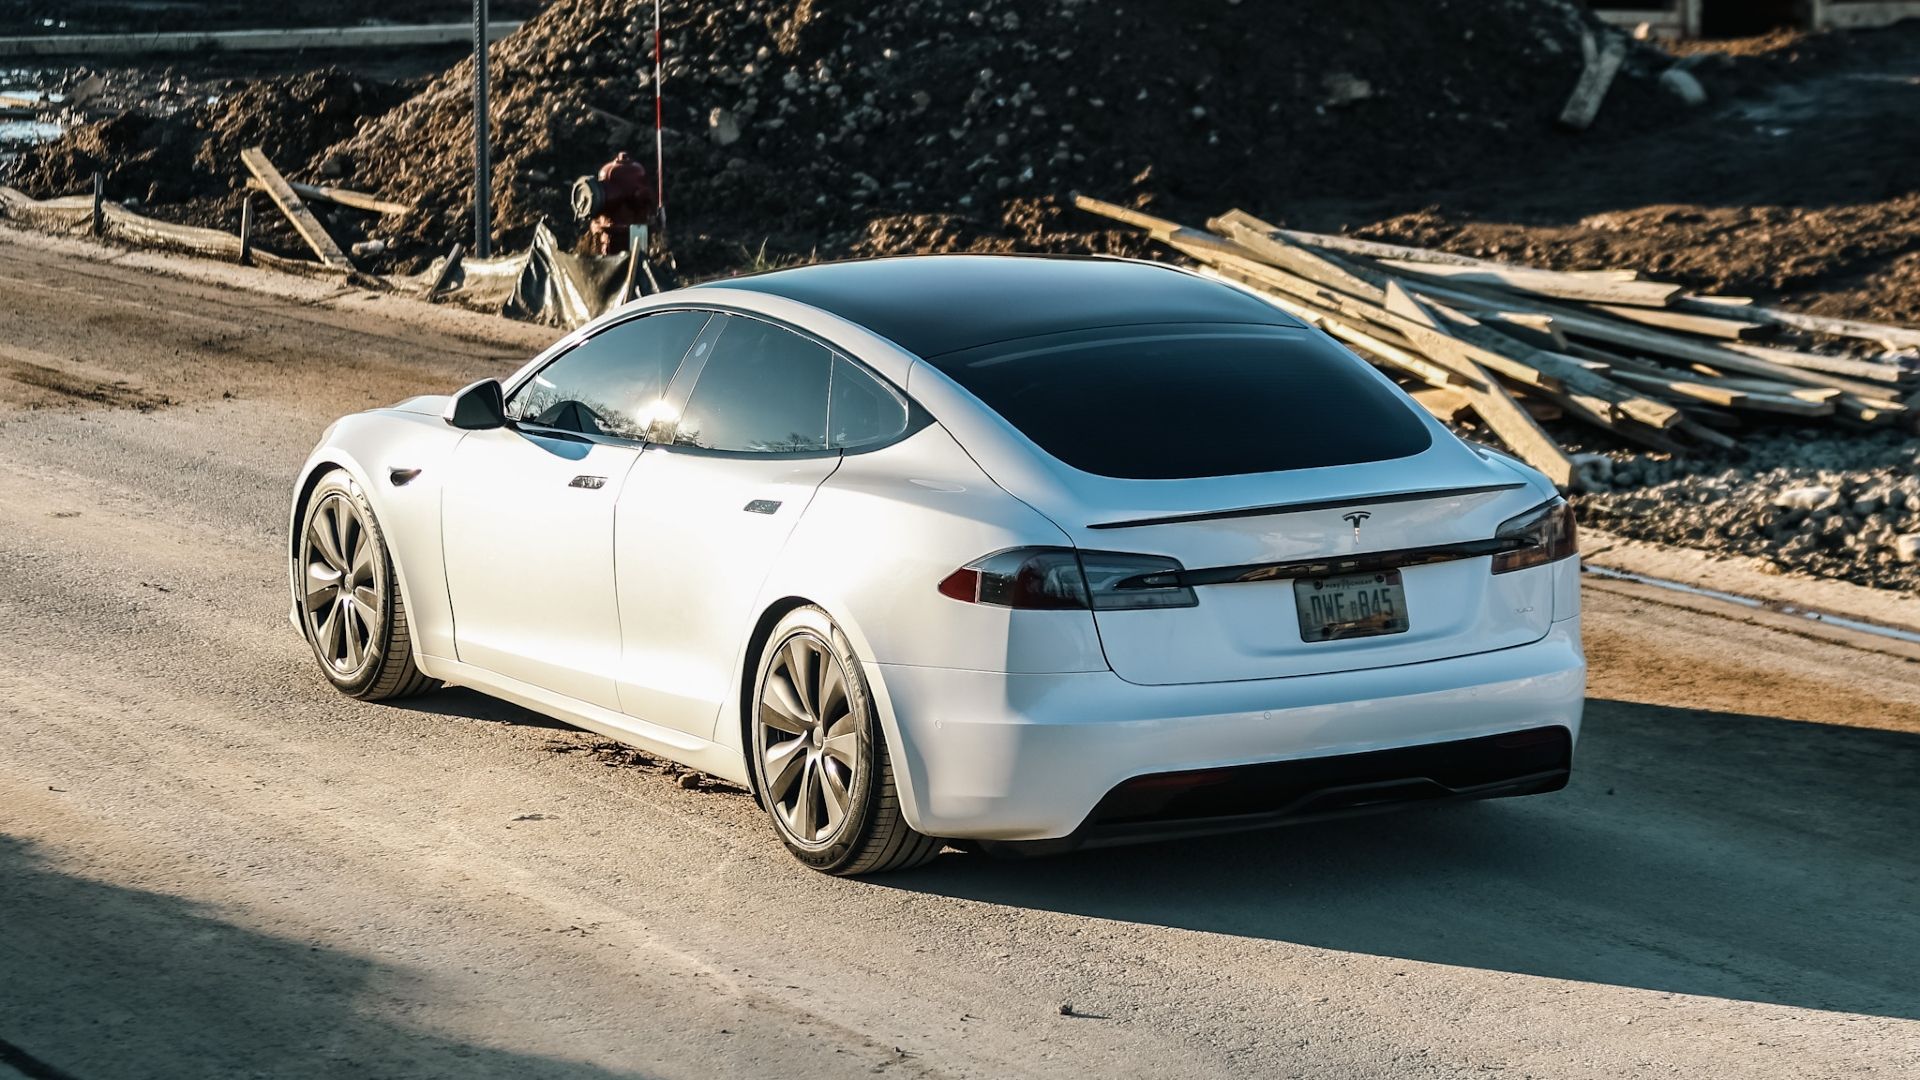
[(99, 204), (246, 228), (482, 169), (659, 122)]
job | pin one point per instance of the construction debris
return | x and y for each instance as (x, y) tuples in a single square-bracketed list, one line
[(1596, 79), (1644, 361), (288, 201)]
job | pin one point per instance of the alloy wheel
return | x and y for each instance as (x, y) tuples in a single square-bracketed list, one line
[(808, 739), (342, 585)]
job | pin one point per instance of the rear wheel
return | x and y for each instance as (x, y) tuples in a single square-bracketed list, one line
[(351, 610), (819, 759)]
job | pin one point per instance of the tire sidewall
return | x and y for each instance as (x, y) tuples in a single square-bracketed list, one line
[(843, 848), (340, 482)]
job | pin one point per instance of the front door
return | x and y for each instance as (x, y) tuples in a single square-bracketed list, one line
[(528, 510)]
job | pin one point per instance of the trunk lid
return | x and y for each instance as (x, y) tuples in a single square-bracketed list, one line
[(1251, 538)]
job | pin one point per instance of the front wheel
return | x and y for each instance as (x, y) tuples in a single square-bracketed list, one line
[(351, 609), (819, 759)]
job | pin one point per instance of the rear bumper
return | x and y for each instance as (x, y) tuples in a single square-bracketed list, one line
[(993, 756)]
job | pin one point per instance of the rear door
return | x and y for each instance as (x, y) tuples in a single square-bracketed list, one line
[(705, 513), (1319, 512), (528, 510)]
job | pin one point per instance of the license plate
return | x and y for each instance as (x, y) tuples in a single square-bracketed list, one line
[(1351, 606)]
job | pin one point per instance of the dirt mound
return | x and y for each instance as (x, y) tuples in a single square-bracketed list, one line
[(1797, 185), (827, 126), (186, 166)]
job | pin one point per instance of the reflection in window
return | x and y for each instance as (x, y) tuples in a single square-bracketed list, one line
[(764, 390), (861, 410), (611, 383)]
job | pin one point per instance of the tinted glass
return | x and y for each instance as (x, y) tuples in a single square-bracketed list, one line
[(861, 410), (1172, 402), (611, 383), (764, 389)]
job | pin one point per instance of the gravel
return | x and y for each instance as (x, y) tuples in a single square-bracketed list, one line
[(1844, 507)]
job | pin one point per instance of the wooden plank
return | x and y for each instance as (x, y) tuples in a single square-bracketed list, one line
[(342, 37), (1837, 365), (1887, 334), (1447, 406), (1651, 342), (1594, 396), (1158, 226), (1595, 79), (359, 200), (1686, 322), (447, 267), (1549, 283), (288, 201), (1262, 242), (1523, 435), (1390, 354), (1221, 253)]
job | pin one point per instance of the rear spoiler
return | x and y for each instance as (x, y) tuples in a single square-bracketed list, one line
[(1317, 504)]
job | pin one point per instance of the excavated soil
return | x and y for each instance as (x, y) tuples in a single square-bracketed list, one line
[(826, 128), (1796, 184)]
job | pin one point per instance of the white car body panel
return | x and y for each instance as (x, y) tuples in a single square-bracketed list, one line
[(529, 556), (631, 609), (692, 559)]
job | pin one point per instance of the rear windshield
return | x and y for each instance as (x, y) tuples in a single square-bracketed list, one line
[(1176, 402)]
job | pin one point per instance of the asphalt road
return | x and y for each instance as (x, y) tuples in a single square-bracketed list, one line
[(211, 865)]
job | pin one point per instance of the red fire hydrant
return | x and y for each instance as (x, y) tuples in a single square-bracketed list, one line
[(621, 196)]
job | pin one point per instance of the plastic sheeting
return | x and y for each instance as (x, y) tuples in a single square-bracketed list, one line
[(560, 288), (544, 284)]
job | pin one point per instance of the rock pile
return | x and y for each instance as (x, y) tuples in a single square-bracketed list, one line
[(826, 126), (1846, 508)]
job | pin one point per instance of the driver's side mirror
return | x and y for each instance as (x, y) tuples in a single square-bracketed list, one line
[(478, 407)]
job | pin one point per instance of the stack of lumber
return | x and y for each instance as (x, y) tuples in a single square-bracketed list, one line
[(1509, 345)]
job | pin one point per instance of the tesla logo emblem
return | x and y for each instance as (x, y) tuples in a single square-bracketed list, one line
[(1354, 519)]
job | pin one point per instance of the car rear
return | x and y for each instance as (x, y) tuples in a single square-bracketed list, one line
[(1312, 597)]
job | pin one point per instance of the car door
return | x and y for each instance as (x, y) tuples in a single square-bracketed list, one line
[(528, 510), (704, 515)]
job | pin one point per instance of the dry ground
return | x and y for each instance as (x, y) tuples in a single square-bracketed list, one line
[(211, 865)]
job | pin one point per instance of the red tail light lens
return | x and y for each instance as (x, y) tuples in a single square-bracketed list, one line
[(1542, 535), (1063, 579)]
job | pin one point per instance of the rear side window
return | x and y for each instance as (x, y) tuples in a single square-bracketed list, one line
[(611, 383), (861, 410), (763, 390), (1176, 402)]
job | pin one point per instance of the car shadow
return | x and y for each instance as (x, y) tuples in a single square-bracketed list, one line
[(102, 980), (1733, 856), (465, 704)]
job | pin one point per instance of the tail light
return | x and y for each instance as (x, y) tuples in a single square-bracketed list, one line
[(1064, 579), (1542, 535)]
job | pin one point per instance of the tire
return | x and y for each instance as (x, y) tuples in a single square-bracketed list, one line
[(826, 716), (359, 635)]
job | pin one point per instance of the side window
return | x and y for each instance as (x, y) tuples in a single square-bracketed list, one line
[(764, 389), (861, 410), (611, 383)]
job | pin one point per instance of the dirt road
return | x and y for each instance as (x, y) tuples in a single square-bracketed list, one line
[(211, 865)]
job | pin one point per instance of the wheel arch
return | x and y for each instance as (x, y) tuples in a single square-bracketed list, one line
[(770, 615), (324, 461)]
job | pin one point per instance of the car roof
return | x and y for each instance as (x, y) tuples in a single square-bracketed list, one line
[(935, 304)]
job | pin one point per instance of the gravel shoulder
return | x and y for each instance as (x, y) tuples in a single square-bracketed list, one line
[(212, 864)]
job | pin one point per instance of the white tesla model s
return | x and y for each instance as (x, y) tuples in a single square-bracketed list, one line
[(1023, 552)]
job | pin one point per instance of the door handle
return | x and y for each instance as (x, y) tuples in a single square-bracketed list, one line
[(762, 506), (591, 483)]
